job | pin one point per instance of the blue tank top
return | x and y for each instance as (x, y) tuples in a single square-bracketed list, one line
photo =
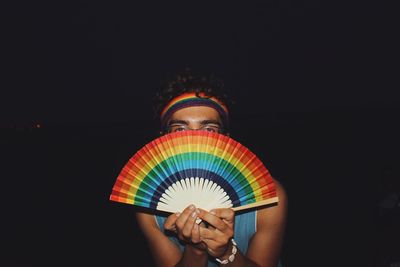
[(245, 227)]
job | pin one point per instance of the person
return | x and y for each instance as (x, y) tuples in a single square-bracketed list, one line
[(250, 238)]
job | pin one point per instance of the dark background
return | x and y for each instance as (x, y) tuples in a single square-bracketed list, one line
[(316, 89)]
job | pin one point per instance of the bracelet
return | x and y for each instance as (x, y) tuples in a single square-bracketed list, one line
[(231, 257)]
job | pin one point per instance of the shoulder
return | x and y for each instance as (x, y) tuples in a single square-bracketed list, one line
[(147, 222), (269, 235), (164, 251), (275, 215), (281, 192)]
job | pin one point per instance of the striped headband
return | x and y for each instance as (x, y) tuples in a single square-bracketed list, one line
[(189, 100)]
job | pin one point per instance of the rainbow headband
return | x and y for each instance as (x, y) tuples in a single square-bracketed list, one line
[(191, 99)]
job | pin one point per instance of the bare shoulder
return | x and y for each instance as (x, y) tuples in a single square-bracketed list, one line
[(165, 253), (275, 214), (145, 217), (147, 222), (271, 221)]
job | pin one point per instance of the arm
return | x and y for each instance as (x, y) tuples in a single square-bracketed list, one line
[(265, 245), (164, 251), (268, 238), (271, 223)]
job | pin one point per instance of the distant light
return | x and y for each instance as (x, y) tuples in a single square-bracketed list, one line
[(38, 125)]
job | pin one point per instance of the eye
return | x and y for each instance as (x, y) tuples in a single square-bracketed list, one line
[(179, 129), (211, 128)]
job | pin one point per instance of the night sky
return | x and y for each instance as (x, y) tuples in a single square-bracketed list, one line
[(316, 94)]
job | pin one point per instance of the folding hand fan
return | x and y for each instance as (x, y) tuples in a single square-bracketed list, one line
[(209, 170)]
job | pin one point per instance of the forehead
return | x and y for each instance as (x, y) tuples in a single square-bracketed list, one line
[(199, 113)]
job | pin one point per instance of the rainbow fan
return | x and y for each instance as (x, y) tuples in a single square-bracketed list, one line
[(209, 170)]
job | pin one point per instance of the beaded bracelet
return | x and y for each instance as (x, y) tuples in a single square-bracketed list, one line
[(231, 257)]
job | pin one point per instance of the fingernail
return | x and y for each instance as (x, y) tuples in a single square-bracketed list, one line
[(213, 212), (194, 214), (177, 214), (197, 211), (192, 207)]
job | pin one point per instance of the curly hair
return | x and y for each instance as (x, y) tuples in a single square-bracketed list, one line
[(185, 81)]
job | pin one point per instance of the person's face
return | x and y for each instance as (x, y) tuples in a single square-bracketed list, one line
[(195, 118)]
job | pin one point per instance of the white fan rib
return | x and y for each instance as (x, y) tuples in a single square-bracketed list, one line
[(203, 193)]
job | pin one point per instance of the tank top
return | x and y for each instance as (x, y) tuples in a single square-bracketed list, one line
[(245, 227)]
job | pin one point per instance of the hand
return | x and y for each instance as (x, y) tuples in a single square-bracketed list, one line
[(185, 226), (217, 237)]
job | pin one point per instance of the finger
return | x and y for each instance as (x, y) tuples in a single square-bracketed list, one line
[(169, 223), (217, 236), (217, 244), (213, 220), (180, 222), (227, 215), (202, 224), (196, 234), (206, 233), (189, 224)]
